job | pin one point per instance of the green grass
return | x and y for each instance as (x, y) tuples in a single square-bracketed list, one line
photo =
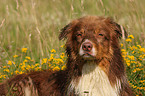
[(35, 25)]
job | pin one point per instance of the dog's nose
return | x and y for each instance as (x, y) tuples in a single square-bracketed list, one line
[(87, 46)]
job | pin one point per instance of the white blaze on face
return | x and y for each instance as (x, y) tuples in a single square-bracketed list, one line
[(93, 51)]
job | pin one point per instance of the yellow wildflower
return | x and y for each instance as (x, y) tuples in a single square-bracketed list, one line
[(15, 56), (128, 64), (25, 61), (28, 67), (37, 64), (134, 71), (128, 40), (62, 55), (10, 62), (44, 60), (56, 68), (62, 46), (7, 70), (133, 52), (142, 50), (60, 61), (63, 67), (138, 46), (51, 57), (123, 50), (16, 71), (37, 68), (4, 76), (32, 66), (24, 50), (27, 57), (131, 36), (121, 45), (53, 51), (21, 72), (131, 57), (4, 66)]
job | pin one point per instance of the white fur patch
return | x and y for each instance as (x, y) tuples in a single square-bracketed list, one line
[(94, 82), (27, 91)]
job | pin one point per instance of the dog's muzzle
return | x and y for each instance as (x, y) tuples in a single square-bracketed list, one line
[(87, 49)]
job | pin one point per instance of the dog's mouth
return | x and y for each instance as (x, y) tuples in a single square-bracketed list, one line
[(88, 55)]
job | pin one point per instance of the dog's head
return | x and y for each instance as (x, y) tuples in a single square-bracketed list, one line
[(91, 37)]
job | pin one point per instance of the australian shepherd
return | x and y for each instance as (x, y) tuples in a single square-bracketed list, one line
[(94, 64)]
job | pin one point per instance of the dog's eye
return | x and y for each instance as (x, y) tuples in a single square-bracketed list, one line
[(101, 35), (79, 35)]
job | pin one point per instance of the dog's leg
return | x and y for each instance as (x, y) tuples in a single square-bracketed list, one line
[(24, 87)]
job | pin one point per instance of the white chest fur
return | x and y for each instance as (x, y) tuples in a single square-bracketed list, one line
[(94, 82)]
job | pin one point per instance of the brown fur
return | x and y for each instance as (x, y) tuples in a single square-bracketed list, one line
[(48, 83)]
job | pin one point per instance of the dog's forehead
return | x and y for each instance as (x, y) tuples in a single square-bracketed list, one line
[(90, 24), (91, 27)]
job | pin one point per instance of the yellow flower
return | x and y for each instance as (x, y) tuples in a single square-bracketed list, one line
[(128, 64), (123, 50), (27, 57), (53, 51), (24, 50), (56, 68), (142, 50), (51, 57), (32, 66), (4, 66), (10, 62), (25, 61), (121, 45), (62, 46), (63, 67), (128, 40), (16, 71), (44, 60), (3, 76), (37, 64), (37, 68), (60, 61), (12, 73), (62, 55), (131, 57), (131, 36), (7, 70), (28, 67), (21, 72), (133, 52), (23, 67), (134, 47), (15, 56)]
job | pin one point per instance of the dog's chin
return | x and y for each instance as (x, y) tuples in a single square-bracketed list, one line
[(89, 57)]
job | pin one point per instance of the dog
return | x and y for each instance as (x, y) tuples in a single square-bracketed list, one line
[(94, 64)]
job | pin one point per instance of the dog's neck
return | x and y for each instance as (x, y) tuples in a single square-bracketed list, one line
[(94, 82)]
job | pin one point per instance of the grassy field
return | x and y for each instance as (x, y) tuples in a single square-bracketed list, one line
[(29, 32)]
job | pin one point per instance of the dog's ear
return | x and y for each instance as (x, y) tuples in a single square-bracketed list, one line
[(67, 29), (120, 30)]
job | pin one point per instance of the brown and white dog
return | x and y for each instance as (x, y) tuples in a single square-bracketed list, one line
[(94, 65)]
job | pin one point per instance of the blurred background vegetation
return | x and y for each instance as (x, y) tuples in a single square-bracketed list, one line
[(35, 25)]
